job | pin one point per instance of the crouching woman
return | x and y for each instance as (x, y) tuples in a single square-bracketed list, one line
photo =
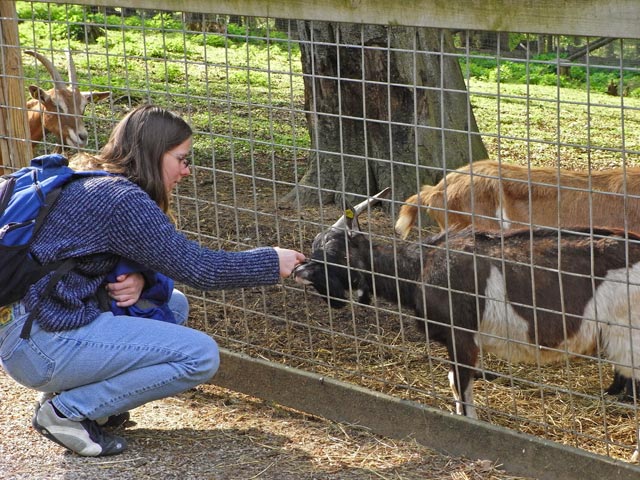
[(94, 365)]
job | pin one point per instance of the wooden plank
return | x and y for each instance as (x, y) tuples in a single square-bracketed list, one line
[(610, 18), (449, 434)]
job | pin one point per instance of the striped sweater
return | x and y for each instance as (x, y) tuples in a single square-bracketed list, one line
[(113, 216)]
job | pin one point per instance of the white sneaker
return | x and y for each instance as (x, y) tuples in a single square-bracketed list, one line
[(112, 421), (84, 437)]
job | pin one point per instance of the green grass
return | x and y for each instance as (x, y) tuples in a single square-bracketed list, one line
[(543, 124), (541, 70), (243, 92)]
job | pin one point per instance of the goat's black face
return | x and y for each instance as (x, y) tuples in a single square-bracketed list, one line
[(326, 269), (340, 259)]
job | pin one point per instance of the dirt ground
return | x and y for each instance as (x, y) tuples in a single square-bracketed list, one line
[(217, 434)]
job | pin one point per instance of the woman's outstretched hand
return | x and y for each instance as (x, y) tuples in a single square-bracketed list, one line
[(289, 259)]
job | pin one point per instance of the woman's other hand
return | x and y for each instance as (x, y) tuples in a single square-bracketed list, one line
[(127, 288)]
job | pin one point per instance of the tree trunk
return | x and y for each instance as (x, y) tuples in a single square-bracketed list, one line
[(385, 108)]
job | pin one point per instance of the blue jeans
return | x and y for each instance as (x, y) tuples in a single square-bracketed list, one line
[(113, 364)]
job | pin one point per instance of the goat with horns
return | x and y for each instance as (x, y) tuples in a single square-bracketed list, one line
[(59, 110), (525, 295)]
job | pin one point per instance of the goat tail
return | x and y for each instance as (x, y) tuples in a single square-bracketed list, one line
[(407, 216), (409, 211)]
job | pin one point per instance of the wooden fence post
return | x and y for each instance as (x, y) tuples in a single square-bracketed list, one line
[(15, 142)]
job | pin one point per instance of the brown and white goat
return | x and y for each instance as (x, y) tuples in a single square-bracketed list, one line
[(492, 195), (60, 109), (527, 295)]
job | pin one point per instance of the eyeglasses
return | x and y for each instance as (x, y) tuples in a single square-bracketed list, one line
[(184, 159)]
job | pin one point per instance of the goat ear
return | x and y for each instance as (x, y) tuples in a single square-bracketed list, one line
[(96, 96), (351, 220), (364, 293), (38, 93), (337, 293)]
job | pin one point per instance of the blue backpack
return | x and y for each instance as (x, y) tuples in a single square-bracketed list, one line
[(26, 196)]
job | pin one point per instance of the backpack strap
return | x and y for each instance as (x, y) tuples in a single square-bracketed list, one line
[(50, 200), (59, 271)]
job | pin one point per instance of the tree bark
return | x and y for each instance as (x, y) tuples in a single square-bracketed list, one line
[(385, 107)]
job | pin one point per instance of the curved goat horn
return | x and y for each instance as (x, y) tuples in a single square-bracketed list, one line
[(73, 79), (58, 82), (351, 214)]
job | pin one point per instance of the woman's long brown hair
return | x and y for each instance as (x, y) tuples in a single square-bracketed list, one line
[(136, 147)]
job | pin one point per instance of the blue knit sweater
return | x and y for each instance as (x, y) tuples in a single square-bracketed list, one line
[(112, 215)]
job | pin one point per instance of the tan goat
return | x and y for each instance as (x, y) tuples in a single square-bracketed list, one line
[(60, 110), (491, 195)]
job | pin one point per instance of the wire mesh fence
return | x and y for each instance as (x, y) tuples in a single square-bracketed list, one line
[(292, 118)]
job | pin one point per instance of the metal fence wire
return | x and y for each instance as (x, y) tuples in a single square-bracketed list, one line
[(274, 158)]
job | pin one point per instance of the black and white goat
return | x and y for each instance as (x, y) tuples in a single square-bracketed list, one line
[(524, 295)]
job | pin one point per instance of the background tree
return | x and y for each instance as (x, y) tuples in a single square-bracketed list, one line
[(384, 104)]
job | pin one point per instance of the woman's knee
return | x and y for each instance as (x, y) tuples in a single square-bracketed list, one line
[(207, 355), (179, 306)]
